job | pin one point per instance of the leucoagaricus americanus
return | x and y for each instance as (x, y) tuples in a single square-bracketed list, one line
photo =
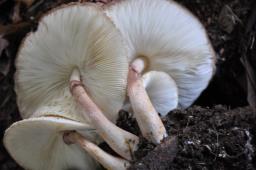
[(162, 36), (75, 47)]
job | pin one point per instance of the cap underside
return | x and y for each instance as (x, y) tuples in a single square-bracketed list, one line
[(172, 40), (76, 36), (37, 143)]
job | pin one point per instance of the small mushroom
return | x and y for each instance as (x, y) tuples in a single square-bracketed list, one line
[(162, 36), (37, 143), (76, 48)]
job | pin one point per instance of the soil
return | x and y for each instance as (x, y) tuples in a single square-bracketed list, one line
[(218, 132), (203, 138)]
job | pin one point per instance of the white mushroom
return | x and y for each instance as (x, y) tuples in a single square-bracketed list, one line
[(165, 37), (70, 37), (37, 144), (74, 41)]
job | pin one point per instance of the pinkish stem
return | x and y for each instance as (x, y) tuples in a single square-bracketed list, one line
[(105, 159), (148, 119), (123, 142)]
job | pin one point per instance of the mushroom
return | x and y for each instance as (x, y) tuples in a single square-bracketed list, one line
[(71, 51), (162, 36), (37, 143)]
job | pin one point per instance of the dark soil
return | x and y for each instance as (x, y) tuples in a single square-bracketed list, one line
[(205, 137)]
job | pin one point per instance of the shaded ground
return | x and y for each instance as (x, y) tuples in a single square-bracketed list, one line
[(203, 138), (215, 138)]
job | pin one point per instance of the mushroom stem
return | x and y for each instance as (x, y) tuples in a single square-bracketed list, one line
[(162, 91), (123, 142), (106, 160), (148, 119)]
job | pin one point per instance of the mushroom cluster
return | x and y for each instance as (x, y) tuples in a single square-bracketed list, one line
[(85, 63)]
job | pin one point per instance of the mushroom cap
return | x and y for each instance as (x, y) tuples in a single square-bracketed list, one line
[(170, 39), (72, 36), (37, 143)]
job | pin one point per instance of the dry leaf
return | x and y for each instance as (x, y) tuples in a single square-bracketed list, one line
[(12, 28), (249, 59), (4, 62), (16, 13), (251, 82), (3, 44), (27, 2)]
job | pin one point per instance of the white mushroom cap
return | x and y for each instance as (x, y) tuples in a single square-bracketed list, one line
[(170, 39), (73, 36), (37, 143)]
